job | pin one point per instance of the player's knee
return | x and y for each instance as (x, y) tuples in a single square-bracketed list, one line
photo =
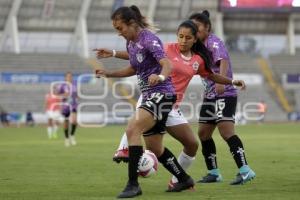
[(191, 147), (203, 135)]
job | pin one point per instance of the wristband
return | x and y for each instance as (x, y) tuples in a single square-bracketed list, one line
[(114, 53), (162, 77)]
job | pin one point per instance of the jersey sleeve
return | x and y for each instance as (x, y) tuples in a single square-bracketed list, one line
[(154, 45), (219, 51)]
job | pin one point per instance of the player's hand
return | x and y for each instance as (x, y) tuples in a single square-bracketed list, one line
[(100, 73), (153, 79), (220, 89), (103, 53), (239, 83)]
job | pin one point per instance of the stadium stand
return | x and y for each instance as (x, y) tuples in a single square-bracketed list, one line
[(62, 17)]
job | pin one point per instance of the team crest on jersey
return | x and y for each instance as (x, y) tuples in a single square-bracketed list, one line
[(139, 57), (196, 66)]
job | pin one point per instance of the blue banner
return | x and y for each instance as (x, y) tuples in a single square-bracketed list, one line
[(31, 78), (293, 78)]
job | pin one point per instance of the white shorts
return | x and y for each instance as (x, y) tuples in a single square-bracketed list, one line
[(175, 117), (53, 115)]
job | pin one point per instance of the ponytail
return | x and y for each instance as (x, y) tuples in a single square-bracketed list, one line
[(203, 18), (200, 49), (132, 13)]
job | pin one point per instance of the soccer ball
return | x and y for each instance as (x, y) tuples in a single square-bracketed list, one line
[(148, 164)]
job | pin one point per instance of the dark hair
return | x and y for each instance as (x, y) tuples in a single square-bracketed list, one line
[(127, 14), (198, 47), (203, 18)]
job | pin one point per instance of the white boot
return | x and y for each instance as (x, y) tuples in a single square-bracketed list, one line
[(73, 141)]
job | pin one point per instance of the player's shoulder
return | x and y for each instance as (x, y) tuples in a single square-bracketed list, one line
[(170, 47), (147, 37), (214, 42)]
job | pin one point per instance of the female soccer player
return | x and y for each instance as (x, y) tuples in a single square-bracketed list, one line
[(189, 57), (220, 100), (52, 107), (149, 63), (69, 108)]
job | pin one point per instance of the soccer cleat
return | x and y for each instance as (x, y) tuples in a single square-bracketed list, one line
[(178, 187), (130, 191), (73, 141), (211, 178), (121, 155), (242, 178), (171, 185)]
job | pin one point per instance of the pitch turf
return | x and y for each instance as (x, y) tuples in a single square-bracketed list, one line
[(35, 168)]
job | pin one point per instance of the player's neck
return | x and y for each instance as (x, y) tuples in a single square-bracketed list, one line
[(186, 55), (137, 33)]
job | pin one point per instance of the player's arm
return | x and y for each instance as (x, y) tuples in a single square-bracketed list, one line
[(220, 89), (124, 72), (166, 65), (217, 78), (107, 53)]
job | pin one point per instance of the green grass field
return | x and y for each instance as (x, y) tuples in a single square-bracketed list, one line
[(35, 168)]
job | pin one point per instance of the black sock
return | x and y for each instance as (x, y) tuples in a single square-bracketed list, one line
[(135, 153), (171, 164), (73, 129), (209, 153), (66, 133), (237, 150)]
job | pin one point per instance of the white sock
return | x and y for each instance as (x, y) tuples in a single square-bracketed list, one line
[(49, 131), (185, 162), (55, 128), (123, 142)]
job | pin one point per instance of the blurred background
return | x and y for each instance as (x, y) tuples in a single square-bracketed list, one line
[(41, 40)]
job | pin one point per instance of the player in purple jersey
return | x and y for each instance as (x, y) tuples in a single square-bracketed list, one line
[(218, 109), (69, 108), (148, 61)]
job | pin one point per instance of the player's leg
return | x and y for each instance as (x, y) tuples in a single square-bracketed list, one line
[(55, 126), (141, 122), (206, 128), (50, 128), (235, 144), (121, 153), (73, 127), (154, 143), (66, 115), (178, 127), (209, 153), (225, 123)]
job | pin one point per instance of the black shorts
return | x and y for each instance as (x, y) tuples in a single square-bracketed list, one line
[(217, 110), (159, 105), (66, 112)]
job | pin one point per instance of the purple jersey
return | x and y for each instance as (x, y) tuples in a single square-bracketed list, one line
[(144, 55), (219, 52), (72, 99)]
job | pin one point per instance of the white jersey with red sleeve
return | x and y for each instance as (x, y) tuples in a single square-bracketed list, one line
[(183, 69), (52, 102)]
